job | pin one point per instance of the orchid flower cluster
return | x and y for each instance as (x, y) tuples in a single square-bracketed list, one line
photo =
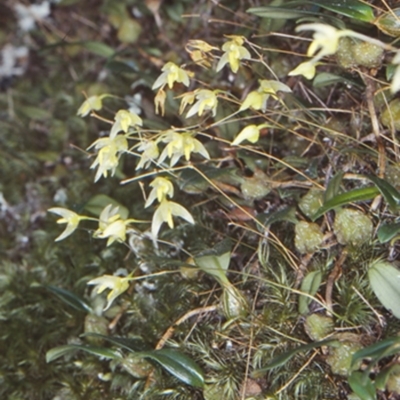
[(326, 41), (161, 151)]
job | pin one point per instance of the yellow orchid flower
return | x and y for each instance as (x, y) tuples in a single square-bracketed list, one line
[(92, 103), (234, 52), (307, 69), (164, 213), (162, 187), (206, 100), (109, 152), (199, 52), (181, 144), (326, 39), (124, 119), (149, 155), (257, 99), (250, 133), (70, 218), (171, 74), (117, 284), (111, 225)]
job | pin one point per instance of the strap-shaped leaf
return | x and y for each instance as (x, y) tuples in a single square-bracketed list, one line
[(388, 232), (377, 350), (349, 8), (178, 365), (390, 193), (60, 351), (97, 203), (285, 357), (132, 344), (362, 194), (333, 187), (310, 285), (279, 12), (384, 279), (70, 298), (173, 361), (362, 386)]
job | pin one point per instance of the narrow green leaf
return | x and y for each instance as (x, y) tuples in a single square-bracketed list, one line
[(285, 357), (178, 365), (327, 79), (132, 344), (69, 298), (333, 187), (376, 350), (362, 194), (279, 12), (390, 193), (384, 279), (362, 386), (310, 285), (60, 351), (387, 232), (35, 113), (383, 376), (173, 361), (349, 8), (286, 214), (98, 48), (97, 203)]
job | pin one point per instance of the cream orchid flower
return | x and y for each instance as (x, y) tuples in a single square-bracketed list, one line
[(115, 232), (92, 103), (257, 99), (162, 188), (164, 213), (307, 69), (234, 52), (109, 152), (117, 284), (124, 119), (326, 39), (250, 133), (181, 144), (149, 155), (171, 74), (112, 226), (70, 218), (206, 100)]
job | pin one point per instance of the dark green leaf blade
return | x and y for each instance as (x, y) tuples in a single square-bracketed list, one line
[(178, 365), (134, 345), (70, 298), (60, 351), (390, 193), (349, 8), (333, 187), (388, 232), (362, 386), (279, 12), (375, 350), (285, 357), (362, 194)]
